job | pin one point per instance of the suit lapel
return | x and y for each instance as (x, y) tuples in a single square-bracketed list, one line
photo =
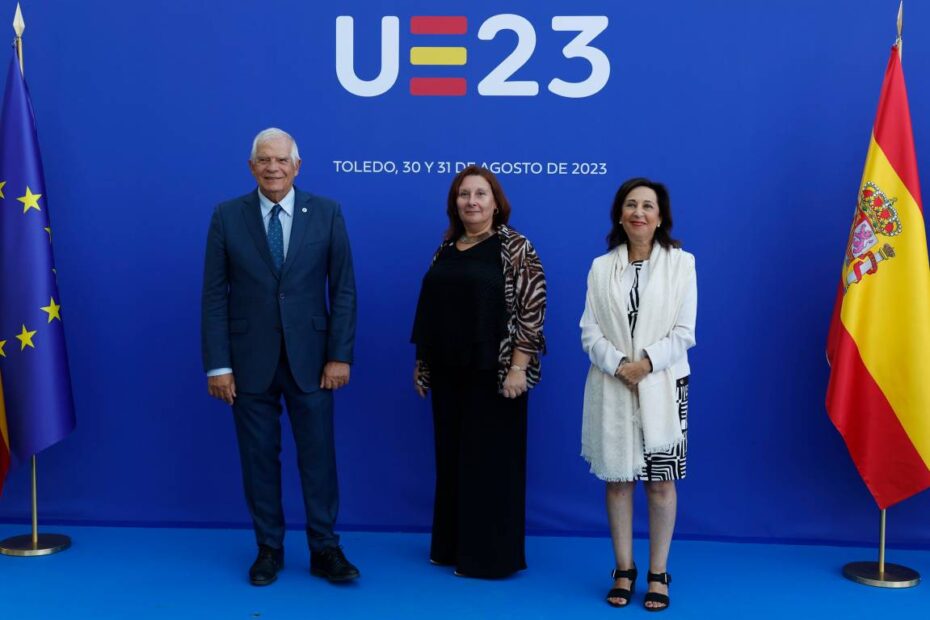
[(299, 226), (252, 212)]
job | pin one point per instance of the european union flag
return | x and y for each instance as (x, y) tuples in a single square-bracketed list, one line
[(36, 386)]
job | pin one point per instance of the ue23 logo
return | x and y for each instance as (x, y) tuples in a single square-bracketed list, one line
[(497, 82)]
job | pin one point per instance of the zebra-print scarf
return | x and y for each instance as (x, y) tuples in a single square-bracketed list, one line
[(619, 422)]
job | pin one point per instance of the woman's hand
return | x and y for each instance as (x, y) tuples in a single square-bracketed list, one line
[(416, 381), (514, 384), (631, 373)]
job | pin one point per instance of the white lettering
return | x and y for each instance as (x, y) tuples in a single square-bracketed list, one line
[(345, 57)]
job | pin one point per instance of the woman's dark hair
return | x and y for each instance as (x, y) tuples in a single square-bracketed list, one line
[(456, 228), (663, 234)]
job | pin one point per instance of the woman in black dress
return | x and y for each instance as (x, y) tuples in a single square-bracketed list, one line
[(478, 335)]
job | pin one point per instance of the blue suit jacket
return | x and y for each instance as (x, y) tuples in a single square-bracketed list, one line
[(247, 307)]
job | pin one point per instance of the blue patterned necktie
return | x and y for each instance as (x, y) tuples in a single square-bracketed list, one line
[(276, 238)]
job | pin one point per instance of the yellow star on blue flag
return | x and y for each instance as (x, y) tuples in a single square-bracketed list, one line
[(25, 337), (30, 200), (53, 310)]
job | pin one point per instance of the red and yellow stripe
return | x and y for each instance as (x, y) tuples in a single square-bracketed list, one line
[(4, 441), (438, 24), (443, 87), (435, 55), (879, 392)]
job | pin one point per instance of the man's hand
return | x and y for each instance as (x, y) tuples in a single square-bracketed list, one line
[(222, 387), (335, 375)]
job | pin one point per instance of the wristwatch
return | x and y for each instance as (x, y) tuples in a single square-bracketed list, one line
[(623, 361)]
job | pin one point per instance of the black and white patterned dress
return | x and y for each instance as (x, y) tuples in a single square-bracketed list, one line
[(671, 464)]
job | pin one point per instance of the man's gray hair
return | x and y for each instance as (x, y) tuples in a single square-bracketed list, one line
[(270, 134)]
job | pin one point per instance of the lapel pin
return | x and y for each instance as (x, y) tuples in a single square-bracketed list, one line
[(304, 210)]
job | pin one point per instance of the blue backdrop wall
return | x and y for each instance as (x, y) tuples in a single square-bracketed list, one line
[(756, 115)]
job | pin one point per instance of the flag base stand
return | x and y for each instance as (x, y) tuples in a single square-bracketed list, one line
[(881, 574), (27, 546), (894, 575), (34, 544)]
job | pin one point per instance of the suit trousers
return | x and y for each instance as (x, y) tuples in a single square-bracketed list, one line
[(258, 429)]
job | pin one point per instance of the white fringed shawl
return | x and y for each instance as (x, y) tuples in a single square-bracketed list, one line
[(617, 422)]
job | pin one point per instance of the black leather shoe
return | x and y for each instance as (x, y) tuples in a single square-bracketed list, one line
[(266, 566), (331, 563)]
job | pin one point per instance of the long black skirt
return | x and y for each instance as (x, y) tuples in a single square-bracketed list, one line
[(479, 515)]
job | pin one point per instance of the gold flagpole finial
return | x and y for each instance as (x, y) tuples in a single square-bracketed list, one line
[(19, 26)]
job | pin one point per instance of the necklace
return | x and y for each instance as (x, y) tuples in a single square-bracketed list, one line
[(468, 240)]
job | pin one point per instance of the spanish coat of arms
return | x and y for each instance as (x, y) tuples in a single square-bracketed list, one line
[(875, 216)]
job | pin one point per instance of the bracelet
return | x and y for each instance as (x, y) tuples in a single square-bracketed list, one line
[(516, 367)]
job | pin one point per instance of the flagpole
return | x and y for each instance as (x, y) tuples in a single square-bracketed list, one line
[(29, 545), (882, 574), (899, 41), (35, 504), (19, 26), (881, 543)]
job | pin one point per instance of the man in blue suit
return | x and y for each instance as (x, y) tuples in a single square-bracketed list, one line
[(273, 258)]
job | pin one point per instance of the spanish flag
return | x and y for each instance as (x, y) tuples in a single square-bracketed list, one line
[(879, 343)]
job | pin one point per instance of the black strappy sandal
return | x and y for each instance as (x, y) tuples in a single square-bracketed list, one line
[(622, 592), (655, 597)]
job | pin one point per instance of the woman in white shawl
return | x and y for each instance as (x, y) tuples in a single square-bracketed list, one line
[(637, 327)]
